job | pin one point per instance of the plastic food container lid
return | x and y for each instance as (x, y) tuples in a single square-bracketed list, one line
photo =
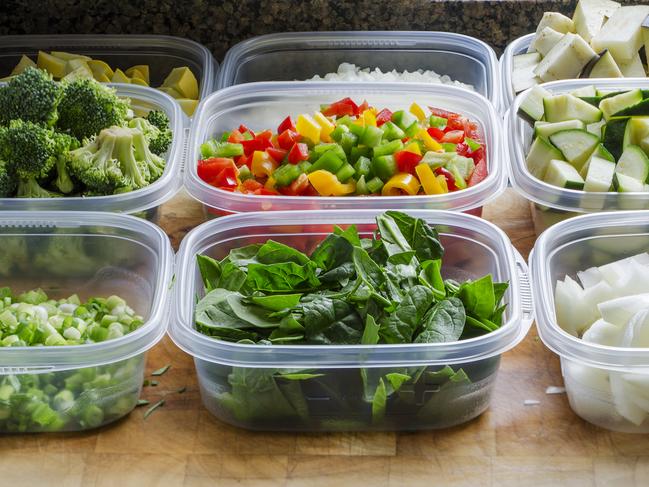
[(510, 264), (473, 61), (131, 49), (265, 105), (148, 197), (49, 359), (506, 65), (519, 132), (616, 225)]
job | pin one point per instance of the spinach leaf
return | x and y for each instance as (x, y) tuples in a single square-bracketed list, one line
[(421, 237), (277, 253), (379, 402), (370, 332), (328, 320), (282, 277), (397, 379), (443, 323), (277, 302), (243, 256), (391, 235), (479, 297), (431, 276), (350, 234), (210, 270), (368, 270), (401, 324), (333, 252)]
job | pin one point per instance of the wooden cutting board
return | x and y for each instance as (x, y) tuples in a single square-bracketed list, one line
[(181, 444)]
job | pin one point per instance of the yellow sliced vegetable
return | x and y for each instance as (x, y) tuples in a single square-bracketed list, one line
[(69, 56), (100, 67), (74, 64), (80, 72), (428, 181), (413, 147), (188, 106), (171, 92), (139, 71), (369, 117), (400, 183), (22, 65), (53, 65), (120, 77), (442, 182), (418, 112), (326, 184), (326, 126), (270, 183), (138, 81), (101, 77), (307, 127), (262, 164), (183, 81), (429, 142)]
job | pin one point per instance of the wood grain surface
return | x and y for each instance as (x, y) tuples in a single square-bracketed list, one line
[(181, 444)]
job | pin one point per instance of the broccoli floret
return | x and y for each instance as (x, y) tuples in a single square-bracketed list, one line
[(65, 144), (8, 180), (117, 160), (65, 256), (31, 96), (151, 165), (160, 144), (29, 188), (158, 139), (87, 107), (31, 149)]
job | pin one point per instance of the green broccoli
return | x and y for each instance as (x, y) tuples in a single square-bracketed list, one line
[(8, 180), (65, 255), (30, 188), (87, 107), (117, 160), (31, 96), (160, 144), (63, 181), (151, 165)]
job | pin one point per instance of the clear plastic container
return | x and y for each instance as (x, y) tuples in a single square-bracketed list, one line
[(566, 248), (161, 53), (551, 203), (90, 254), (143, 202), (297, 56), (335, 400), (506, 68), (264, 105)]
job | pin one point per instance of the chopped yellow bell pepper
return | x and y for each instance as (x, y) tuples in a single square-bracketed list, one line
[(326, 184), (326, 126), (53, 65), (428, 180), (262, 164), (307, 127), (413, 147), (139, 71), (442, 182), (400, 183), (24, 63), (369, 118), (418, 112), (270, 183), (429, 142)]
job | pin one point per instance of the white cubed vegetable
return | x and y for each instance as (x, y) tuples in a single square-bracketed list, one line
[(620, 310), (622, 34), (589, 277), (622, 398), (636, 332), (590, 15), (603, 333), (556, 21), (633, 68), (566, 59)]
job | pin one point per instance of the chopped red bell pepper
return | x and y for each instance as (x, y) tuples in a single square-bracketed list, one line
[(340, 108), (235, 137), (244, 160), (298, 153), (277, 154), (265, 135), (362, 107), (250, 185), (406, 161), (436, 133), (297, 187), (463, 149), (477, 155), (288, 138), (243, 129), (287, 124), (209, 169), (479, 172), (227, 178), (383, 116), (440, 112), (454, 137), (260, 144), (450, 180)]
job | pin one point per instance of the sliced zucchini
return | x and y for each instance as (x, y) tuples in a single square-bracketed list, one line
[(615, 104), (564, 175), (566, 59), (627, 184), (576, 145), (640, 109), (524, 78), (613, 135), (586, 91), (545, 40), (599, 152), (558, 108), (637, 133), (540, 155), (532, 105), (526, 60), (592, 100), (596, 128), (634, 163), (600, 174), (546, 129), (603, 67)]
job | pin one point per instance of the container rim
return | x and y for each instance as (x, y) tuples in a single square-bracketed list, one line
[(200, 346), (135, 201), (553, 336), (49, 359), (506, 65), (463, 200), (551, 196), (363, 39), (137, 41)]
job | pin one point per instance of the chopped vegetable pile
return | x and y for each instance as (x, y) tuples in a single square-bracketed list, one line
[(32, 319), (590, 140), (385, 289), (181, 83), (347, 149), (610, 307), (602, 40), (75, 138)]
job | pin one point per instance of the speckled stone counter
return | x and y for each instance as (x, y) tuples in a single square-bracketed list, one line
[(221, 24)]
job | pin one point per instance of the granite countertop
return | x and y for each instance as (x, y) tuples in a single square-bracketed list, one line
[(221, 24)]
